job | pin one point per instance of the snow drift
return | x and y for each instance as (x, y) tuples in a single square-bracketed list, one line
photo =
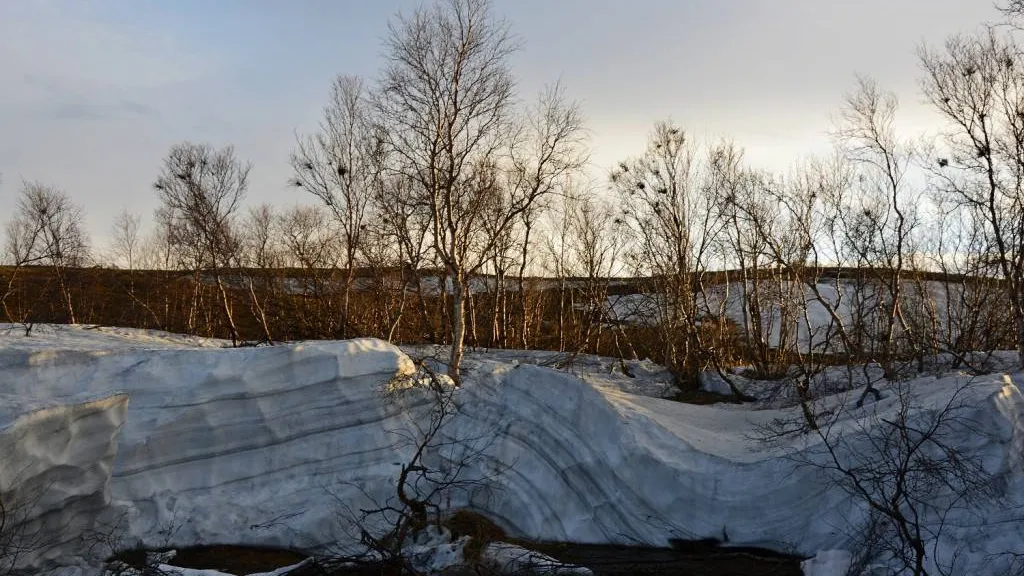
[(263, 446)]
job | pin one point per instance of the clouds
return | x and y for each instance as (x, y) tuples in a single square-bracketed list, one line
[(76, 44), (86, 101), (70, 61), (94, 93), (53, 99), (764, 73)]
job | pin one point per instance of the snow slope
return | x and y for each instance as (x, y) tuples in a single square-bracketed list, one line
[(263, 445), (848, 299)]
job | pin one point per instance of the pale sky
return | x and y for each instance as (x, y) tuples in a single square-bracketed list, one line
[(94, 93)]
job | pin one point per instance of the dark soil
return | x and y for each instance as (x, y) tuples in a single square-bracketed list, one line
[(687, 559), (226, 558)]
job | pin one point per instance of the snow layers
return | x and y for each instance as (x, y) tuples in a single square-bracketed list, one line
[(55, 465), (219, 445), (268, 446)]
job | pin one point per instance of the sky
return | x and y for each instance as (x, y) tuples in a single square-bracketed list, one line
[(94, 93)]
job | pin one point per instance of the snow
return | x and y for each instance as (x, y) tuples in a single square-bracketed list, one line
[(844, 296), (183, 442), (828, 563), (433, 551), (284, 570), (53, 477), (165, 569), (168, 570), (503, 558), (641, 377)]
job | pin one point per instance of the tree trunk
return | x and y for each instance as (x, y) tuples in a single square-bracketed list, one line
[(226, 308), (425, 316), (446, 315), (345, 333), (561, 312), (504, 313), (66, 293), (496, 310), (261, 313), (194, 306), (470, 302), (458, 327), (803, 389), (395, 321), (522, 286)]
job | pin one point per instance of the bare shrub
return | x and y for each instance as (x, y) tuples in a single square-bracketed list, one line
[(901, 461), (443, 466)]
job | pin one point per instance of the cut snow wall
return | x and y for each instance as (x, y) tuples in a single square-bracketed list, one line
[(54, 474), (267, 446)]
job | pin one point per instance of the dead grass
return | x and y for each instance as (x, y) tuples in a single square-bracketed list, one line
[(479, 528)]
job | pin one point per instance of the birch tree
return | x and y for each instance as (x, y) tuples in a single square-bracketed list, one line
[(338, 166), (47, 230), (977, 84), (673, 223), (201, 189), (446, 100)]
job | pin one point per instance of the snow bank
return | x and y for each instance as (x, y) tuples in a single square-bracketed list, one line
[(219, 446), (54, 474), (503, 558), (265, 446)]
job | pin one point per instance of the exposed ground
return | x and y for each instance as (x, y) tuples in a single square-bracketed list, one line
[(603, 560)]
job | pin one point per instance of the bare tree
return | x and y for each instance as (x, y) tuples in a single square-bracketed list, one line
[(201, 189), (403, 224), (445, 101), (310, 244), (977, 84), (47, 230), (875, 220), (261, 258), (551, 152), (442, 467), (389, 278), (127, 248), (966, 312), (798, 238), (500, 261), (1013, 9), (674, 222), (339, 165), (309, 240), (557, 246), (594, 247), (767, 323), (125, 237)]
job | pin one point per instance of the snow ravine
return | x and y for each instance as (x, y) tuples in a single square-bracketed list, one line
[(179, 442)]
